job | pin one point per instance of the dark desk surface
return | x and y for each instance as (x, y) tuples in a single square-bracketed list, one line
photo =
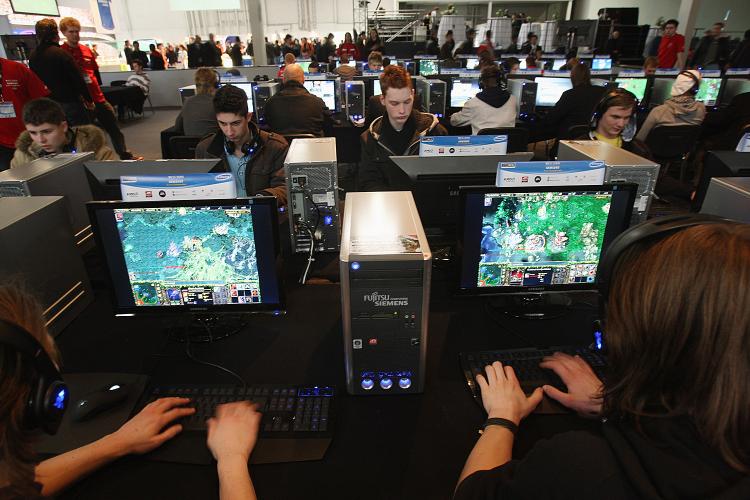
[(384, 447)]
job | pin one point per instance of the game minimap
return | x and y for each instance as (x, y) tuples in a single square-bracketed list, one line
[(189, 255), (531, 239)]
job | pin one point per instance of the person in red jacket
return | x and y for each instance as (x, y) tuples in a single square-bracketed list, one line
[(18, 85), (671, 47), (348, 48)]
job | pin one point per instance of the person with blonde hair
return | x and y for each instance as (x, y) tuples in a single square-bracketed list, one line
[(197, 117)]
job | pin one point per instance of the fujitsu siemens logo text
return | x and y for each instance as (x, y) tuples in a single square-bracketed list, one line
[(380, 300)]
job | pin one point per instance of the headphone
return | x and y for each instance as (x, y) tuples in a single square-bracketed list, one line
[(49, 395), (630, 129), (652, 231), (249, 148), (696, 82)]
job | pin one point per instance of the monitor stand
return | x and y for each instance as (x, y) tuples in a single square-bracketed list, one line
[(533, 305), (197, 328)]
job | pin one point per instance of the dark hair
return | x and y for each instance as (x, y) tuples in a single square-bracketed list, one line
[(490, 74), (672, 21), (17, 454), (394, 77), (43, 110), (471, 31), (46, 30), (151, 47), (580, 74), (530, 61), (449, 32), (230, 99), (531, 35), (136, 43), (677, 307), (488, 34)]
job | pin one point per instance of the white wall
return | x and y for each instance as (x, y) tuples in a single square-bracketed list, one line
[(714, 10), (648, 10)]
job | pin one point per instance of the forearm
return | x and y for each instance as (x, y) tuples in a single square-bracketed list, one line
[(492, 450), (234, 480), (56, 474)]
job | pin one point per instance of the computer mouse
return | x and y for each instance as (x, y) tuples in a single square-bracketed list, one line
[(98, 401)]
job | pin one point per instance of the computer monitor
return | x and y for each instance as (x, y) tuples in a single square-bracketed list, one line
[(601, 64), (104, 175), (732, 88), (325, 89), (429, 67), (549, 90), (248, 88), (463, 89), (305, 65), (376, 87), (708, 92), (472, 63), (353, 64), (538, 239), (191, 256), (558, 63), (522, 63), (637, 86)]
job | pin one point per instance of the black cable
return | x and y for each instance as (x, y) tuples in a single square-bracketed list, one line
[(315, 205), (303, 278), (207, 363), (491, 313)]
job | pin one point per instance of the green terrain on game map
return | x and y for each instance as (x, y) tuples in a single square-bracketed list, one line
[(533, 229), (186, 246)]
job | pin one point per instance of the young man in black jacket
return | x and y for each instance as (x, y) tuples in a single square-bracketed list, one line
[(293, 110), (395, 133), (255, 157), (59, 72)]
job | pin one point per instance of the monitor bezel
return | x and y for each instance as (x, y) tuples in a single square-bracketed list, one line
[(514, 290), (121, 310)]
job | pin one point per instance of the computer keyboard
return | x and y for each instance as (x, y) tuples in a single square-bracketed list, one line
[(525, 363), (297, 422)]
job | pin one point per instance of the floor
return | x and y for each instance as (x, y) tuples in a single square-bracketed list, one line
[(142, 132)]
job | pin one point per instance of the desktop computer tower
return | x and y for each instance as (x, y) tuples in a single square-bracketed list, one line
[(525, 92), (728, 197), (721, 164), (262, 92), (312, 183), (59, 175), (621, 166), (385, 265), (433, 94), (38, 249), (355, 101)]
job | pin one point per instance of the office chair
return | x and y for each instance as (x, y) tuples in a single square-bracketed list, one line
[(518, 137), (671, 144)]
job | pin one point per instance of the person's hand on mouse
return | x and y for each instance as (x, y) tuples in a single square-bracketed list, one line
[(502, 396), (233, 431), (584, 394), (150, 428)]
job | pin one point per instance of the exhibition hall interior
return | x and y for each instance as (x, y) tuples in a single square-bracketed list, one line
[(374, 249)]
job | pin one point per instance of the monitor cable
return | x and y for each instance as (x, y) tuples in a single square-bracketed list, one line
[(311, 232), (190, 355)]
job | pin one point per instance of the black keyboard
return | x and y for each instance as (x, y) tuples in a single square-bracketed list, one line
[(296, 425), (525, 363)]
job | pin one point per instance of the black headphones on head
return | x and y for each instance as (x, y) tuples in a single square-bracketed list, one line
[(49, 395), (652, 231), (630, 129)]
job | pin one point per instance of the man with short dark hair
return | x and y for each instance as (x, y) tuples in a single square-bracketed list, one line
[(139, 55), (446, 50), (671, 47), (58, 70), (531, 43), (47, 132), (289, 46), (713, 50), (255, 157), (493, 107), (128, 52), (467, 46), (293, 110), (157, 62)]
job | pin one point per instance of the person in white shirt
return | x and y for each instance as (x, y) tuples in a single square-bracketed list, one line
[(493, 107), (139, 78)]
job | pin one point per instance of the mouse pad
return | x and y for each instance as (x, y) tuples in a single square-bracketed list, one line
[(71, 434)]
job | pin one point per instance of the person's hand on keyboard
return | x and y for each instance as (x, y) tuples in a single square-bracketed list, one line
[(152, 426), (233, 432), (502, 395), (584, 394)]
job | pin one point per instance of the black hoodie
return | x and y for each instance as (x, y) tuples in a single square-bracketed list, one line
[(494, 96), (667, 460)]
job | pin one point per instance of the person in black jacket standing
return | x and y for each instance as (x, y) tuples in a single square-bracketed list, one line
[(59, 72), (139, 55), (395, 133), (446, 50), (713, 50), (293, 110)]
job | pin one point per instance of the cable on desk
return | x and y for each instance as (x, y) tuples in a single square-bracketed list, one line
[(491, 313), (207, 363)]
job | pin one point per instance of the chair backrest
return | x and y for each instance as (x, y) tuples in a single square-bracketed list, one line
[(518, 137), (183, 146), (576, 131), (118, 83), (672, 142)]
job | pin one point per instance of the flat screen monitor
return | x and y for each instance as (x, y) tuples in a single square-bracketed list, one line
[(353, 64), (637, 86), (376, 87), (524, 240), (325, 89), (549, 90), (428, 67), (601, 64), (196, 255), (708, 93), (305, 65), (557, 64), (472, 63), (522, 64), (248, 88), (35, 7), (462, 90)]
